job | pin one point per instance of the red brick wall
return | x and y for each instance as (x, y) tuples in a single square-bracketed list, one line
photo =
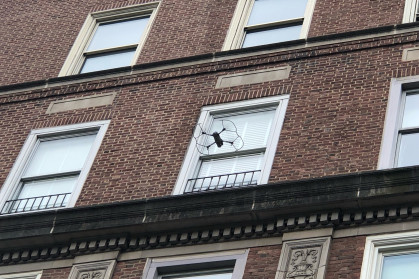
[(333, 122), (36, 39), (129, 269), (262, 262), (57, 273), (336, 16), (345, 258)]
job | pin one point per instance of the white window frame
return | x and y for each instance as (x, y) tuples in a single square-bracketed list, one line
[(392, 124), (13, 179), (25, 275), (379, 246), (207, 115), (236, 32), (151, 270), (76, 57), (410, 10)]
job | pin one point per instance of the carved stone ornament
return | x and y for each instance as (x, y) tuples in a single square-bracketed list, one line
[(94, 270), (98, 274), (303, 264), (303, 259)]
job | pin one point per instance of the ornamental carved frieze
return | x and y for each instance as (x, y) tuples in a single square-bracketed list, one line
[(93, 270), (303, 264), (303, 259), (92, 274)]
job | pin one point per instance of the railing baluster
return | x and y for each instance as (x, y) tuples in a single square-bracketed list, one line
[(222, 181), (34, 203)]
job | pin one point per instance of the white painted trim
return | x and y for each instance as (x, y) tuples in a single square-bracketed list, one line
[(192, 155), (388, 149), (376, 247), (235, 33), (13, 179), (26, 275), (410, 7), (75, 58), (240, 256)]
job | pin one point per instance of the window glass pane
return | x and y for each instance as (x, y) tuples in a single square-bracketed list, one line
[(42, 194), (108, 60), (253, 128), (118, 33), (60, 155), (230, 165), (264, 11), (408, 150), (403, 266), (411, 111), (270, 36)]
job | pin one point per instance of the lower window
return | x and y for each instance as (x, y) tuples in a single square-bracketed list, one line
[(404, 266), (25, 275), (224, 265), (391, 256), (52, 167)]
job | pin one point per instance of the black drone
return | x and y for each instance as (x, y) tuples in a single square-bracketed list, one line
[(227, 134)]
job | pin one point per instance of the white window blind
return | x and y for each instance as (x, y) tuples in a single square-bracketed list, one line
[(254, 128), (53, 170)]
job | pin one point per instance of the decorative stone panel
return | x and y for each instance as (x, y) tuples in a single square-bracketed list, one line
[(303, 259), (253, 77), (94, 270)]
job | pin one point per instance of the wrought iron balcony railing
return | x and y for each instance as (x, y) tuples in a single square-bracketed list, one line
[(222, 181), (35, 203)]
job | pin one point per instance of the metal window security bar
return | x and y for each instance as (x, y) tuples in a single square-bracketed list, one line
[(35, 203), (222, 181)]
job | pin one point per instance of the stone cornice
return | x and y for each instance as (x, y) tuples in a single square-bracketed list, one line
[(339, 201)]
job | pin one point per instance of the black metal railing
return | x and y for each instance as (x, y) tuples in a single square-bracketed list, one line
[(222, 181), (35, 203)]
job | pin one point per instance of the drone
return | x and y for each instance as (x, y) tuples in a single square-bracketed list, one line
[(226, 134)]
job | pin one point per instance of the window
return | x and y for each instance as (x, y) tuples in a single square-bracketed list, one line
[(258, 123), (408, 138), (260, 22), (411, 13), (391, 256), (26, 275), (224, 265), (52, 168), (401, 129), (110, 39)]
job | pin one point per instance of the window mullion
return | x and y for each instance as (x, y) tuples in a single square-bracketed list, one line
[(275, 24), (112, 49), (52, 175)]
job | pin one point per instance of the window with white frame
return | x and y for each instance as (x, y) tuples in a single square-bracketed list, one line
[(391, 256), (26, 275), (258, 123), (408, 131), (261, 22), (51, 168), (222, 265), (399, 146), (110, 39), (411, 13)]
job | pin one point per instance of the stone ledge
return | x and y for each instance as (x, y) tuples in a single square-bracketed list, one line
[(338, 200)]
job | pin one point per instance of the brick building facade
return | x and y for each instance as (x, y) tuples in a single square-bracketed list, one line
[(109, 166)]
